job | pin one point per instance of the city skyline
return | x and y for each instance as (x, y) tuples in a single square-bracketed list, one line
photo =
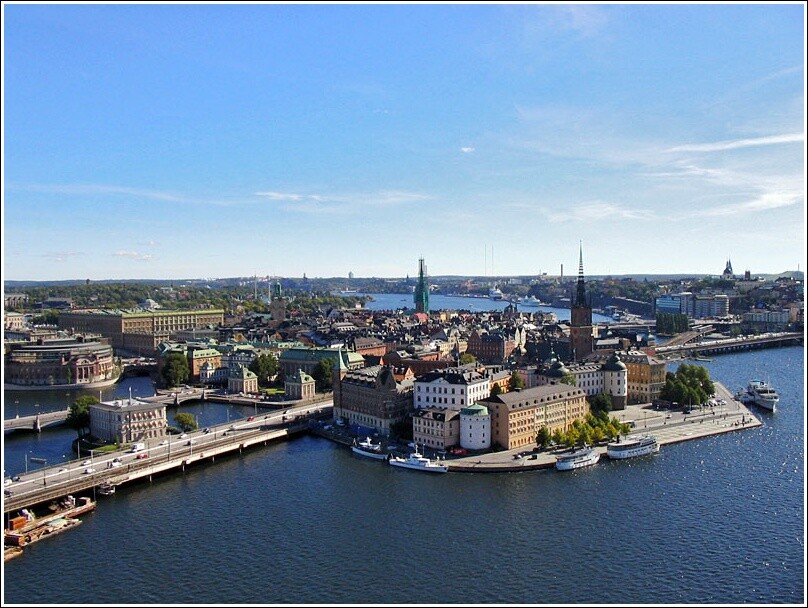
[(190, 141)]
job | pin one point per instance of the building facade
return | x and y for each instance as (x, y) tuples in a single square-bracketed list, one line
[(299, 386), (436, 427), (475, 427), (65, 362), (516, 417), (126, 420), (645, 376), (582, 341), (453, 388), (372, 398)]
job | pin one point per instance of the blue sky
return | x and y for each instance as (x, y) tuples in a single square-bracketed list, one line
[(180, 141)]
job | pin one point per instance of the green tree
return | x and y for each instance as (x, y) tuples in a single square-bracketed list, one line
[(323, 375), (496, 390), (79, 416), (600, 403), (467, 359), (186, 421), (175, 370), (558, 437), (516, 381), (265, 367), (568, 379), (543, 437)]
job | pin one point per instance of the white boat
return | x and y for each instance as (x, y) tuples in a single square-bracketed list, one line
[(419, 462), (583, 457), (531, 302), (495, 293), (631, 446), (106, 489), (369, 449), (762, 394)]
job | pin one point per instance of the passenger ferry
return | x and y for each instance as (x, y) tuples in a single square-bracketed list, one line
[(578, 459), (369, 449), (761, 394), (631, 446), (419, 462)]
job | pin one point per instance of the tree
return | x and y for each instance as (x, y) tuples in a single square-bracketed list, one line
[(601, 403), (543, 437), (322, 374), (558, 437), (175, 370), (568, 379), (496, 390), (265, 367), (467, 359), (79, 416), (516, 381), (186, 421)]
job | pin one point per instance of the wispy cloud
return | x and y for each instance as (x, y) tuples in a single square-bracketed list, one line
[(343, 203), (61, 256), (789, 138), (765, 202), (467, 149), (133, 255), (595, 211), (126, 192)]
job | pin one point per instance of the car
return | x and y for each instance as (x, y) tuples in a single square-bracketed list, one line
[(62, 470), (206, 431), (183, 436), (117, 459), (86, 463), (7, 492), (7, 481), (116, 464), (163, 442), (667, 416), (251, 418), (189, 442), (15, 478), (89, 470), (142, 455)]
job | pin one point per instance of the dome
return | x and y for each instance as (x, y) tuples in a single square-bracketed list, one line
[(557, 370), (474, 410), (614, 364)]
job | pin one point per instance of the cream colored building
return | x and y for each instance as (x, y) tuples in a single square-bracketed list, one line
[(645, 376), (242, 380), (436, 427), (475, 427), (126, 420), (516, 417), (299, 386)]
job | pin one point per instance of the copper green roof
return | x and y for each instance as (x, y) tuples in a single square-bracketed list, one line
[(474, 410)]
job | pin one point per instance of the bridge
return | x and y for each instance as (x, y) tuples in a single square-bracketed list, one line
[(35, 422), (728, 345), (161, 455)]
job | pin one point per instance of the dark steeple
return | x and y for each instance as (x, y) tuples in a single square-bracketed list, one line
[(580, 294)]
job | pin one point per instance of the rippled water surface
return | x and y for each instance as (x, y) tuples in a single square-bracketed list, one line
[(717, 520)]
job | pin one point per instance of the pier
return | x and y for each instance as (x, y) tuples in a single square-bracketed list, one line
[(171, 453)]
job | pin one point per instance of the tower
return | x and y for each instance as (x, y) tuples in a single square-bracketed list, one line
[(581, 340), (421, 294)]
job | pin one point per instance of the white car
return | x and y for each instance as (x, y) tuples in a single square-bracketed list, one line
[(7, 481), (86, 463), (163, 442), (89, 470)]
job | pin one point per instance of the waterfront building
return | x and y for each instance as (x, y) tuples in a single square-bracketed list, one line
[(516, 417), (710, 306), (421, 293), (61, 362), (475, 427), (490, 348), (581, 335), (197, 357), (436, 427), (141, 331), (242, 380), (14, 321), (675, 303), (126, 420), (299, 386), (372, 397), (453, 388), (645, 376), (765, 320)]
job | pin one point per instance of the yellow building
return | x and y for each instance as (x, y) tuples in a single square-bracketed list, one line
[(516, 417), (645, 377), (436, 427)]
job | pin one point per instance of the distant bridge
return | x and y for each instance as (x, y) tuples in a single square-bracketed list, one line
[(35, 422), (729, 345)]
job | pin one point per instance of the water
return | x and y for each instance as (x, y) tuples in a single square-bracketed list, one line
[(395, 301), (717, 520)]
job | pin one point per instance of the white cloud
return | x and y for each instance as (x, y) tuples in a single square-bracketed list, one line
[(467, 149), (344, 203), (764, 202), (61, 256), (595, 211), (789, 138), (134, 255)]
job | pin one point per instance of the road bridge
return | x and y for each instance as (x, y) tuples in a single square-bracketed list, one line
[(728, 345), (172, 452), (35, 422)]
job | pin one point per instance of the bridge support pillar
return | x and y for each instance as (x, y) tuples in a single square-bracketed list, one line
[(37, 424)]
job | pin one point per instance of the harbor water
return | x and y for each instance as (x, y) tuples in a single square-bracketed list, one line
[(716, 520)]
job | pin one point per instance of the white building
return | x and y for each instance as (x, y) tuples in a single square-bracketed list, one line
[(475, 427), (453, 388), (126, 420)]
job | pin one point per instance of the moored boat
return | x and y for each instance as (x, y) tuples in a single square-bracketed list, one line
[(106, 489), (631, 446), (28, 529), (369, 449), (419, 462), (762, 394), (583, 457)]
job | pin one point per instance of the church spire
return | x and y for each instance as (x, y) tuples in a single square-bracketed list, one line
[(580, 295)]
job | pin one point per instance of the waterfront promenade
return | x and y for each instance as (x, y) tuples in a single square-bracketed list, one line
[(666, 425)]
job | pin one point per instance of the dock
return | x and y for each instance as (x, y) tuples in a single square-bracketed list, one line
[(667, 426)]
